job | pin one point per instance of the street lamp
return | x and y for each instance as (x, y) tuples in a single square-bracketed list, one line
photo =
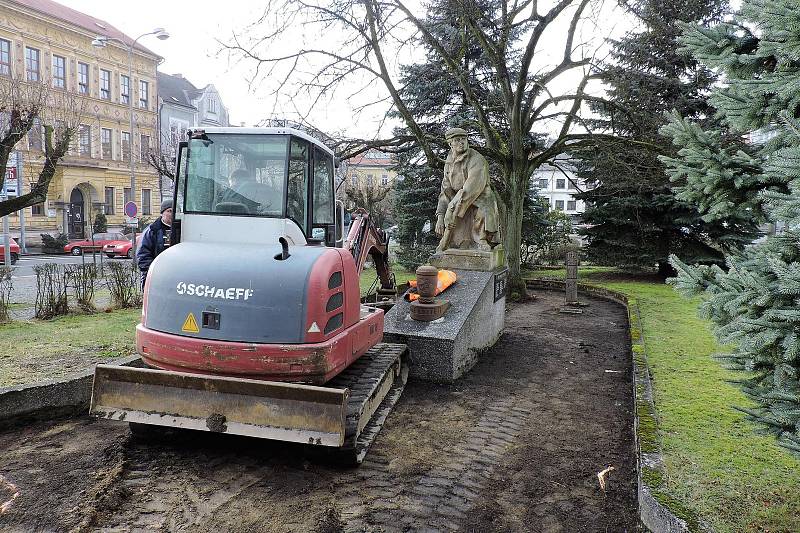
[(100, 42)]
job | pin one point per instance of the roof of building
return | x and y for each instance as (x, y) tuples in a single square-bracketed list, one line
[(87, 22), (175, 89), (372, 158)]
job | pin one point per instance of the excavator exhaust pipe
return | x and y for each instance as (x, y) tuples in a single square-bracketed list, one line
[(263, 409)]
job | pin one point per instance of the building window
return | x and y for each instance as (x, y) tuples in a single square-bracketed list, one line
[(385, 180), (571, 204), (370, 180), (212, 104), (126, 146), (543, 183), (35, 135), (37, 210), (146, 202), (5, 57), (59, 72), (124, 89), (353, 180), (561, 183), (105, 142), (144, 148), (105, 84), (560, 205), (31, 64), (83, 78), (126, 195), (143, 94), (109, 200), (85, 140)]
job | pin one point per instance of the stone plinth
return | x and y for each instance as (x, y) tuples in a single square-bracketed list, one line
[(454, 259), (445, 349)]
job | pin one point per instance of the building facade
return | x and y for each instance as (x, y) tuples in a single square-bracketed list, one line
[(558, 186), (44, 42), (373, 168), (181, 106)]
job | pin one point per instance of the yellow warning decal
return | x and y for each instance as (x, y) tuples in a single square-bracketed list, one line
[(190, 324)]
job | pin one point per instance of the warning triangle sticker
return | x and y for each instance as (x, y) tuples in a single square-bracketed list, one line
[(190, 324), (314, 328)]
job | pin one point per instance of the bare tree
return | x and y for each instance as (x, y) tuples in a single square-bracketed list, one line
[(23, 107), (511, 103), (372, 197)]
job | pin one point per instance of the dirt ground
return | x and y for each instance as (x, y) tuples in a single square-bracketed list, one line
[(516, 445)]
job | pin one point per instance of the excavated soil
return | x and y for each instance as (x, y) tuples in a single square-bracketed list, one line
[(516, 445)]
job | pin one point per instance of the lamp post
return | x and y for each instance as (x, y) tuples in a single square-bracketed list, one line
[(101, 42)]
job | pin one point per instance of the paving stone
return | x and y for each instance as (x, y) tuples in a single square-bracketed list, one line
[(429, 490)]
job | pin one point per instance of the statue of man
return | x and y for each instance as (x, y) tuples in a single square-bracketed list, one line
[(466, 216)]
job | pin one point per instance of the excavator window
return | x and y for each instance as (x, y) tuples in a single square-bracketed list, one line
[(237, 174), (297, 193)]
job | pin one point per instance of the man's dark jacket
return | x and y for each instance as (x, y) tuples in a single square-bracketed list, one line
[(152, 244)]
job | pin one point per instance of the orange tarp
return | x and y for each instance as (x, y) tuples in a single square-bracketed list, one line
[(444, 279)]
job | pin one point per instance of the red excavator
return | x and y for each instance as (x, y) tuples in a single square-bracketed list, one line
[(252, 322)]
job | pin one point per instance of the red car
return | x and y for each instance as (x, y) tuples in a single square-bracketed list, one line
[(121, 248), (93, 245), (14, 251)]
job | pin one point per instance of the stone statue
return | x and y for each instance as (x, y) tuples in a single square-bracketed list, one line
[(466, 216)]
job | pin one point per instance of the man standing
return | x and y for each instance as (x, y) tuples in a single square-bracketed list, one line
[(466, 216), (154, 239)]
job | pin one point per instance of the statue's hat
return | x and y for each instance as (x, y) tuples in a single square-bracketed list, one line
[(454, 132)]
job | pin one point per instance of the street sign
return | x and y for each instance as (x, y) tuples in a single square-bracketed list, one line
[(131, 221), (10, 185), (131, 210)]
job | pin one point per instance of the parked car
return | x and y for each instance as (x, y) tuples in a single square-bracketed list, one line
[(14, 251), (93, 245), (122, 248)]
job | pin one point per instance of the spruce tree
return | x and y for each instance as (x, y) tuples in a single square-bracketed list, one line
[(635, 219), (753, 301)]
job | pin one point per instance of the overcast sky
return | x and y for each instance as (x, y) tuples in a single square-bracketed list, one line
[(193, 50)]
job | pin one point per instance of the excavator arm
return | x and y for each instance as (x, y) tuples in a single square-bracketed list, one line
[(365, 240)]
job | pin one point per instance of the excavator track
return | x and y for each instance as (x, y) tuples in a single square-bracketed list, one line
[(376, 381)]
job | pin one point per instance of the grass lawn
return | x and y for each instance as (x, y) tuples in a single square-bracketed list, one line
[(369, 274), (33, 350), (726, 475)]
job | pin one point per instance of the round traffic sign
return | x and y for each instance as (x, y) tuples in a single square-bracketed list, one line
[(131, 209)]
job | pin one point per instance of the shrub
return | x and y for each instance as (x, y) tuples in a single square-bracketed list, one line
[(5, 292), (123, 282), (83, 279), (100, 223), (54, 244), (51, 291)]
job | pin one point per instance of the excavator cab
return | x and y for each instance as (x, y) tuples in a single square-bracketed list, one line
[(252, 322), (278, 181)]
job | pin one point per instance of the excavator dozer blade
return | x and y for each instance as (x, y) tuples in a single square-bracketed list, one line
[(265, 409)]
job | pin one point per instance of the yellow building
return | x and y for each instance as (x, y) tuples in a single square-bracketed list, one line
[(372, 169), (44, 41)]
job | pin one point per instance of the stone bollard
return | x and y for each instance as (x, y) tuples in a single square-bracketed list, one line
[(571, 303), (571, 284)]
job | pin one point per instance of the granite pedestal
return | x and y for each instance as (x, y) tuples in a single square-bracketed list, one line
[(447, 348)]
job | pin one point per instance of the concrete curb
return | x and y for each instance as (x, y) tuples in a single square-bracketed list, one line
[(654, 504), (70, 394)]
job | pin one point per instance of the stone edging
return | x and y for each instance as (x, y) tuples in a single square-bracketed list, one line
[(656, 508), (67, 395)]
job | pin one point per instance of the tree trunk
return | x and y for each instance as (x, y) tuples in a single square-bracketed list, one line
[(512, 239)]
